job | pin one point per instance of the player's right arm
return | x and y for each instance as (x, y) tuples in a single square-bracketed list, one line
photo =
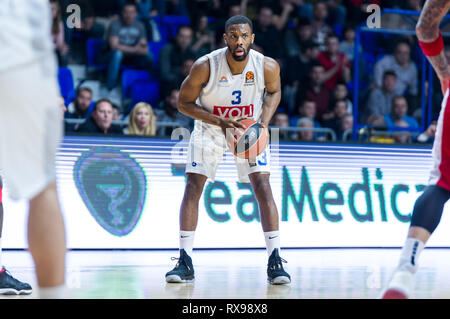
[(189, 92), (427, 30)]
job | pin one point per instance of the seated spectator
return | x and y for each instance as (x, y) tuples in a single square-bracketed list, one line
[(173, 54), (402, 137), (100, 121), (128, 44), (142, 120), (168, 112), (337, 13), (340, 92), (294, 38), (307, 135), (307, 109), (61, 47), (336, 64), (320, 29), (267, 37), (347, 45), (345, 124), (404, 68), (380, 99), (284, 13), (116, 113), (315, 90), (89, 28), (281, 119), (399, 113), (297, 70), (332, 119), (183, 73), (204, 37), (147, 9), (79, 108)]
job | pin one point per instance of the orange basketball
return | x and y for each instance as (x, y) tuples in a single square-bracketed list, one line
[(252, 142)]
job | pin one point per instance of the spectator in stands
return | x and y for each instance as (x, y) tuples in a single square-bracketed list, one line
[(128, 44), (401, 137), (340, 92), (294, 38), (142, 120), (281, 119), (297, 70), (204, 38), (267, 37), (107, 8), (399, 113), (337, 13), (100, 121), (175, 7), (232, 8), (79, 108), (168, 112), (172, 56), (336, 64), (404, 68), (61, 47), (347, 45), (307, 135), (116, 113), (380, 99), (89, 28), (320, 29), (315, 90), (284, 12), (332, 119), (147, 9), (345, 125)]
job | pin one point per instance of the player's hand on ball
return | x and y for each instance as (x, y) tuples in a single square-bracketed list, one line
[(232, 129)]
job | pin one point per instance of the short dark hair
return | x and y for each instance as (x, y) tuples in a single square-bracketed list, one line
[(389, 72), (308, 45), (101, 101), (84, 88), (238, 19)]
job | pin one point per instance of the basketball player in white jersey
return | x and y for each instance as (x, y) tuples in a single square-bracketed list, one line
[(30, 132), (227, 84), (429, 206)]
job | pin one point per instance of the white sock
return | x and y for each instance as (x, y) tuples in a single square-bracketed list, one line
[(409, 258), (58, 292), (187, 241), (272, 239)]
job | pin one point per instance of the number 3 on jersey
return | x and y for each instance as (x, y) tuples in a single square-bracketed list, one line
[(237, 97)]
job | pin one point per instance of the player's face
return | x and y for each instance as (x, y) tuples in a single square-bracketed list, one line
[(239, 38)]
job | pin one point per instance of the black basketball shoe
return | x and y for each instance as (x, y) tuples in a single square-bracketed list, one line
[(11, 286), (276, 275), (183, 271)]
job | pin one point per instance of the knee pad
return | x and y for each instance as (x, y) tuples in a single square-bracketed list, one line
[(429, 207)]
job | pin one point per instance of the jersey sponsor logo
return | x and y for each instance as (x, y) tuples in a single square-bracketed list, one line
[(233, 111), (223, 80), (115, 199)]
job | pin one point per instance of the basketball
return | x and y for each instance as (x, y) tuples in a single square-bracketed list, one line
[(252, 141)]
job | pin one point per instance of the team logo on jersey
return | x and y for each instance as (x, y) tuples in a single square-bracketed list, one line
[(249, 77), (113, 187), (234, 111)]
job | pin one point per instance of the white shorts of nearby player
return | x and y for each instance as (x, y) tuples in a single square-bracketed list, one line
[(30, 126)]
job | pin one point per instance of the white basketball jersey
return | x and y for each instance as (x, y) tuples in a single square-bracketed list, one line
[(25, 32), (232, 96)]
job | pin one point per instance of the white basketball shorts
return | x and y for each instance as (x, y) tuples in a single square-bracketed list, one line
[(30, 127), (206, 150)]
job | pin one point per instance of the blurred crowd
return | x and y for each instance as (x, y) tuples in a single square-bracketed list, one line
[(313, 41)]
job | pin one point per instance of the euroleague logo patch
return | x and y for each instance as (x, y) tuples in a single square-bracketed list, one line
[(249, 78)]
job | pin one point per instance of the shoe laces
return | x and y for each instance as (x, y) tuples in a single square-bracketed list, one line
[(180, 261), (277, 262)]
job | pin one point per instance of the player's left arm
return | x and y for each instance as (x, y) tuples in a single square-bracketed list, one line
[(427, 30), (273, 90)]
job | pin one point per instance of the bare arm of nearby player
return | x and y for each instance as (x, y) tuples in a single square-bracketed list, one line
[(273, 90), (427, 31), (190, 91)]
